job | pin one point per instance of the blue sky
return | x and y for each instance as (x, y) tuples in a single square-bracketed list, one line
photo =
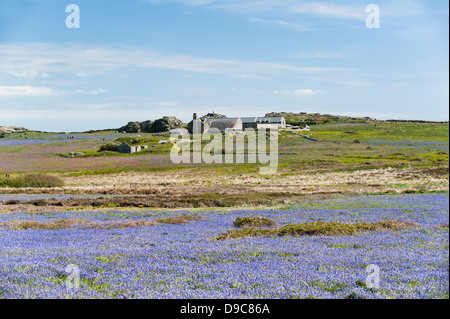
[(143, 59)]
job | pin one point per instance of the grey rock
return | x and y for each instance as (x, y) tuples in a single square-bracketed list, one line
[(165, 124), (213, 116), (146, 125), (131, 127), (11, 129)]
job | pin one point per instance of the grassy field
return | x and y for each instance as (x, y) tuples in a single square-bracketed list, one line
[(347, 159), (355, 197)]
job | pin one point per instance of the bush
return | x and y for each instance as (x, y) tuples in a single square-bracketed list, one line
[(318, 228), (32, 180), (254, 221), (133, 140), (113, 147)]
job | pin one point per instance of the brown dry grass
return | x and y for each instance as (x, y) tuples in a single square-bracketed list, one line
[(52, 225), (189, 189), (86, 224), (127, 224), (182, 219), (191, 181)]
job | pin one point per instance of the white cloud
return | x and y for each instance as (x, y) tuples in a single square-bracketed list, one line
[(27, 91), (92, 92), (306, 92), (325, 9), (101, 60), (297, 92), (283, 25), (281, 92), (27, 73), (331, 11)]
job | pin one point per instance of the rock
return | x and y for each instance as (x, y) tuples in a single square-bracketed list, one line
[(162, 125), (213, 116), (131, 127), (11, 129), (74, 154), (146, 125), (165, 124)]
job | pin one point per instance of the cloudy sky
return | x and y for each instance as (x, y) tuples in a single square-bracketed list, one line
[(143, 59)]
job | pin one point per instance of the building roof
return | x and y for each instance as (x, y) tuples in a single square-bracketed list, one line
[(254, 119), (223, 124), (271, 120), (228, 119), (125, 144)]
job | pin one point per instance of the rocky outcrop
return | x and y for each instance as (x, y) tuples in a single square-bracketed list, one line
[(164, 124), (11, 129), (213, 116), (146, 125), (131, 127)]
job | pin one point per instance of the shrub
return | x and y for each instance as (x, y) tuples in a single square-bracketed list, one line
[(133, 140), (318, 228), (32, 180), (113, 147), (254, 221)]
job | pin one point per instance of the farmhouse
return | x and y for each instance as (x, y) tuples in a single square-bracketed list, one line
[(126, 148), (225, 125), (235, 123), (263, 122)]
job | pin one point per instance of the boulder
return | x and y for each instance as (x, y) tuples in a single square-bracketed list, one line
[(131, 127), (146, 125), (165, 124), (11, 129), (213, 116)]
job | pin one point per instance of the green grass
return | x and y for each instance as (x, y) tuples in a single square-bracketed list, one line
[(384, 131), (254, 221), (53, 225), (318, 228), (336, 151), (32, 180)]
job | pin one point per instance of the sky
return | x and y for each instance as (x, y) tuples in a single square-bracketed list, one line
[(140, 60)]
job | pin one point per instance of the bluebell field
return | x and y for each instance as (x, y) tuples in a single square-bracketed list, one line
[(186, 260)]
